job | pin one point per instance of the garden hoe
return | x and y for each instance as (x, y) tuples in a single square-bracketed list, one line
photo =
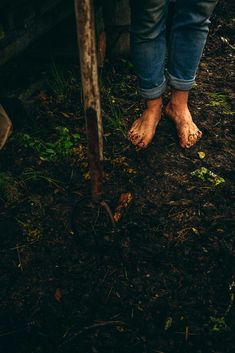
[(92, 107)]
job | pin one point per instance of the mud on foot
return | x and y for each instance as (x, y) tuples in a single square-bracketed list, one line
[(188, 132)]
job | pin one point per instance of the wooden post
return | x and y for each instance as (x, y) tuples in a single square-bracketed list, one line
[(91, 93)]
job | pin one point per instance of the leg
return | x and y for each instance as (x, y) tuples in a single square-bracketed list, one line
[(148, 45), (188, 37)]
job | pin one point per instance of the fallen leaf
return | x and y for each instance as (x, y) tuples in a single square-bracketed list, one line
[(195, 231), (120, 328), (124, 201), (87, 176), (168, 323), (65, 115), (58, 295), (201, 154)]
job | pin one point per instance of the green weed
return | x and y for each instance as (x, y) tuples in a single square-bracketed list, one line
[(35, 175), (48, 151), (207, 175), (115, 120), (219, 324)]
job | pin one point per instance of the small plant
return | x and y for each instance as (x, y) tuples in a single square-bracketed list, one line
[(61, 147), (219, 324), (207, 175)]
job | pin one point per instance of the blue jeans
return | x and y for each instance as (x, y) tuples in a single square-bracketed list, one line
[(183, 51)]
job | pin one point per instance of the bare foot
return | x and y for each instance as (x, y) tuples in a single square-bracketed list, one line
[(143, 129), (177, 110)]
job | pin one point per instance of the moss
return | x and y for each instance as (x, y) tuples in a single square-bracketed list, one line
[(218, 99)]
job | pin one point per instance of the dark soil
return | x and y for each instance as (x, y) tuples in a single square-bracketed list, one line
[(163, 279)]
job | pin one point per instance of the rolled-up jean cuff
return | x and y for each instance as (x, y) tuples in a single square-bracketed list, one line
[(152, 93), (180, 84)]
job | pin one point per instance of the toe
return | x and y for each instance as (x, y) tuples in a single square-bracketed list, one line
[(141, 144), (134, 137), (183, 140), (192, 138), (145, 141), (188, 145), (199, 134), (132, 134), (134, 126), (137, 140)]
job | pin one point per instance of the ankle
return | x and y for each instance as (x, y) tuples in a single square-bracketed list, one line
[(154, 104), (179, 98)]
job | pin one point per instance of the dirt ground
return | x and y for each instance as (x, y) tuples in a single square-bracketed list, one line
[(162, 280)]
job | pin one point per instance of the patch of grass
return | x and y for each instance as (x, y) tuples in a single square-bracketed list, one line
[(61, 147), (62, 83), (34, 175), (218, 99), (10, 189), (115, 120)]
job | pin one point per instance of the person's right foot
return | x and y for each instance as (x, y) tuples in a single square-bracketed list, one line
[(143, 129)]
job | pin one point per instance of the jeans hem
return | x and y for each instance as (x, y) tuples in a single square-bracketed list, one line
[(180, 84), (153, 93)]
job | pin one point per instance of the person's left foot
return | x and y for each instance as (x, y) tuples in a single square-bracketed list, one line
[(188, 131)]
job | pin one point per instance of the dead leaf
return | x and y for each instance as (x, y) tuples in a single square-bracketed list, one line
[(168, 323), (65, 115), (124, 201), (201, 155), (58, 295), (195, 231)]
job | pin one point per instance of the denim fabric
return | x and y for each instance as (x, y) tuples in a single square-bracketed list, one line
[(188, 35)]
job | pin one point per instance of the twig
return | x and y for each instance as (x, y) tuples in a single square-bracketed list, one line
[(19, 258)]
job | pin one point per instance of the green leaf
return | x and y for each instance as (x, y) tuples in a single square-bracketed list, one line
[(76, 136), (207, 175)]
